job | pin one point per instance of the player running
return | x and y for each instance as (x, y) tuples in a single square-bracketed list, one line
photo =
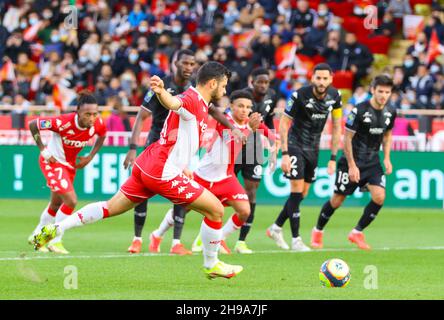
[(369, 124), (159, 169), (250, 162), (307, 111), (71, 133), (177, 83)]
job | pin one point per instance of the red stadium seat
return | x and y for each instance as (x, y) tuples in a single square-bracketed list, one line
[(341, 9), (377, 44), (415, 2), (343, 80), (203, 39), (356, 25)]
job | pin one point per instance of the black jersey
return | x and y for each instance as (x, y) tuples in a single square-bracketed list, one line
[(159, 112), (309, 116), (369, 126)]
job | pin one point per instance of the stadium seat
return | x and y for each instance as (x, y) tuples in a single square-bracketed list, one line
[(356, 25), (377, 44), (341, 9), (422, 9), (343, 80)]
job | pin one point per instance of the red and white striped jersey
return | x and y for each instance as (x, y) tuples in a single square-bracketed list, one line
[(180, 138), (68, 138), (218, 163)]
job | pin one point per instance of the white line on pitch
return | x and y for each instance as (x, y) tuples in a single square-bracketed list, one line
[(111, 256)]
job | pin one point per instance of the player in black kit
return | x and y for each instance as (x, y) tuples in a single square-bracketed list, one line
[(178, 82), (369, 124), (250, 162), (307, 111)]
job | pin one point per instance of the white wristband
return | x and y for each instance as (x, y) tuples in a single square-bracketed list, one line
[(45, 154)]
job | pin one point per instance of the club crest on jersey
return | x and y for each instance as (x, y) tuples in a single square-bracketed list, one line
[(70, 132), (45, 124), (148, 96), (367, 120), (351, 118), (289, 104)]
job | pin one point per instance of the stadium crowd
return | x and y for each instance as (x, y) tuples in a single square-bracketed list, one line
[(118, 45)]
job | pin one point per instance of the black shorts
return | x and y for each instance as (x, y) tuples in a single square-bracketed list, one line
[(251, 160), (303, 164), (370, 175)]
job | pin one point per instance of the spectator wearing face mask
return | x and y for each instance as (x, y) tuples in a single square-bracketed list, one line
[(409, 66), (54, 44), (420, 45), (207, 20), (388, 25), (231, 14), (106, 58), (324, 13)]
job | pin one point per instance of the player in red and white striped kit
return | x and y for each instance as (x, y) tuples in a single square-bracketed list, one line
[(71, 133), (159, 169)]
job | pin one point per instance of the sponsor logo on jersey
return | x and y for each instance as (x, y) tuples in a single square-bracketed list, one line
[(387, 114), (367, 115), (367, 120), (66, 126), (330, 102), (58, 122), (387, 121), (70, 132), (376, 130), (91, 131), (318, 116), (309, 106), (267, 108), (45, 124), (189, 195), (74, 143)]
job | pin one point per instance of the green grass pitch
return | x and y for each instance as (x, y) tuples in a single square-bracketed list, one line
[(406, 262)]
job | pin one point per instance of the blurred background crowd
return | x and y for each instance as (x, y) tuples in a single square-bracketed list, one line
[(118, 45)]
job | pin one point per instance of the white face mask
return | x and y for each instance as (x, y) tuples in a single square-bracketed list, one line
[(236, 29), (176, 29), (33, 21), (143, 29), (187, 42)]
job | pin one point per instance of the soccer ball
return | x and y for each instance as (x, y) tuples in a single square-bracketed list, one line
[(334, 273)]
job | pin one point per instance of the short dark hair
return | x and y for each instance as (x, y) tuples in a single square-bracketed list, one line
[(239, 94), (382, 80), (184, 52), (322, 66), (259, 71), (85, 97), (212, 70)]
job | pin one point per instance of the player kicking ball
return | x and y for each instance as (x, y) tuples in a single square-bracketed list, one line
[(159, 169), (71, 133), (369, 124)]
